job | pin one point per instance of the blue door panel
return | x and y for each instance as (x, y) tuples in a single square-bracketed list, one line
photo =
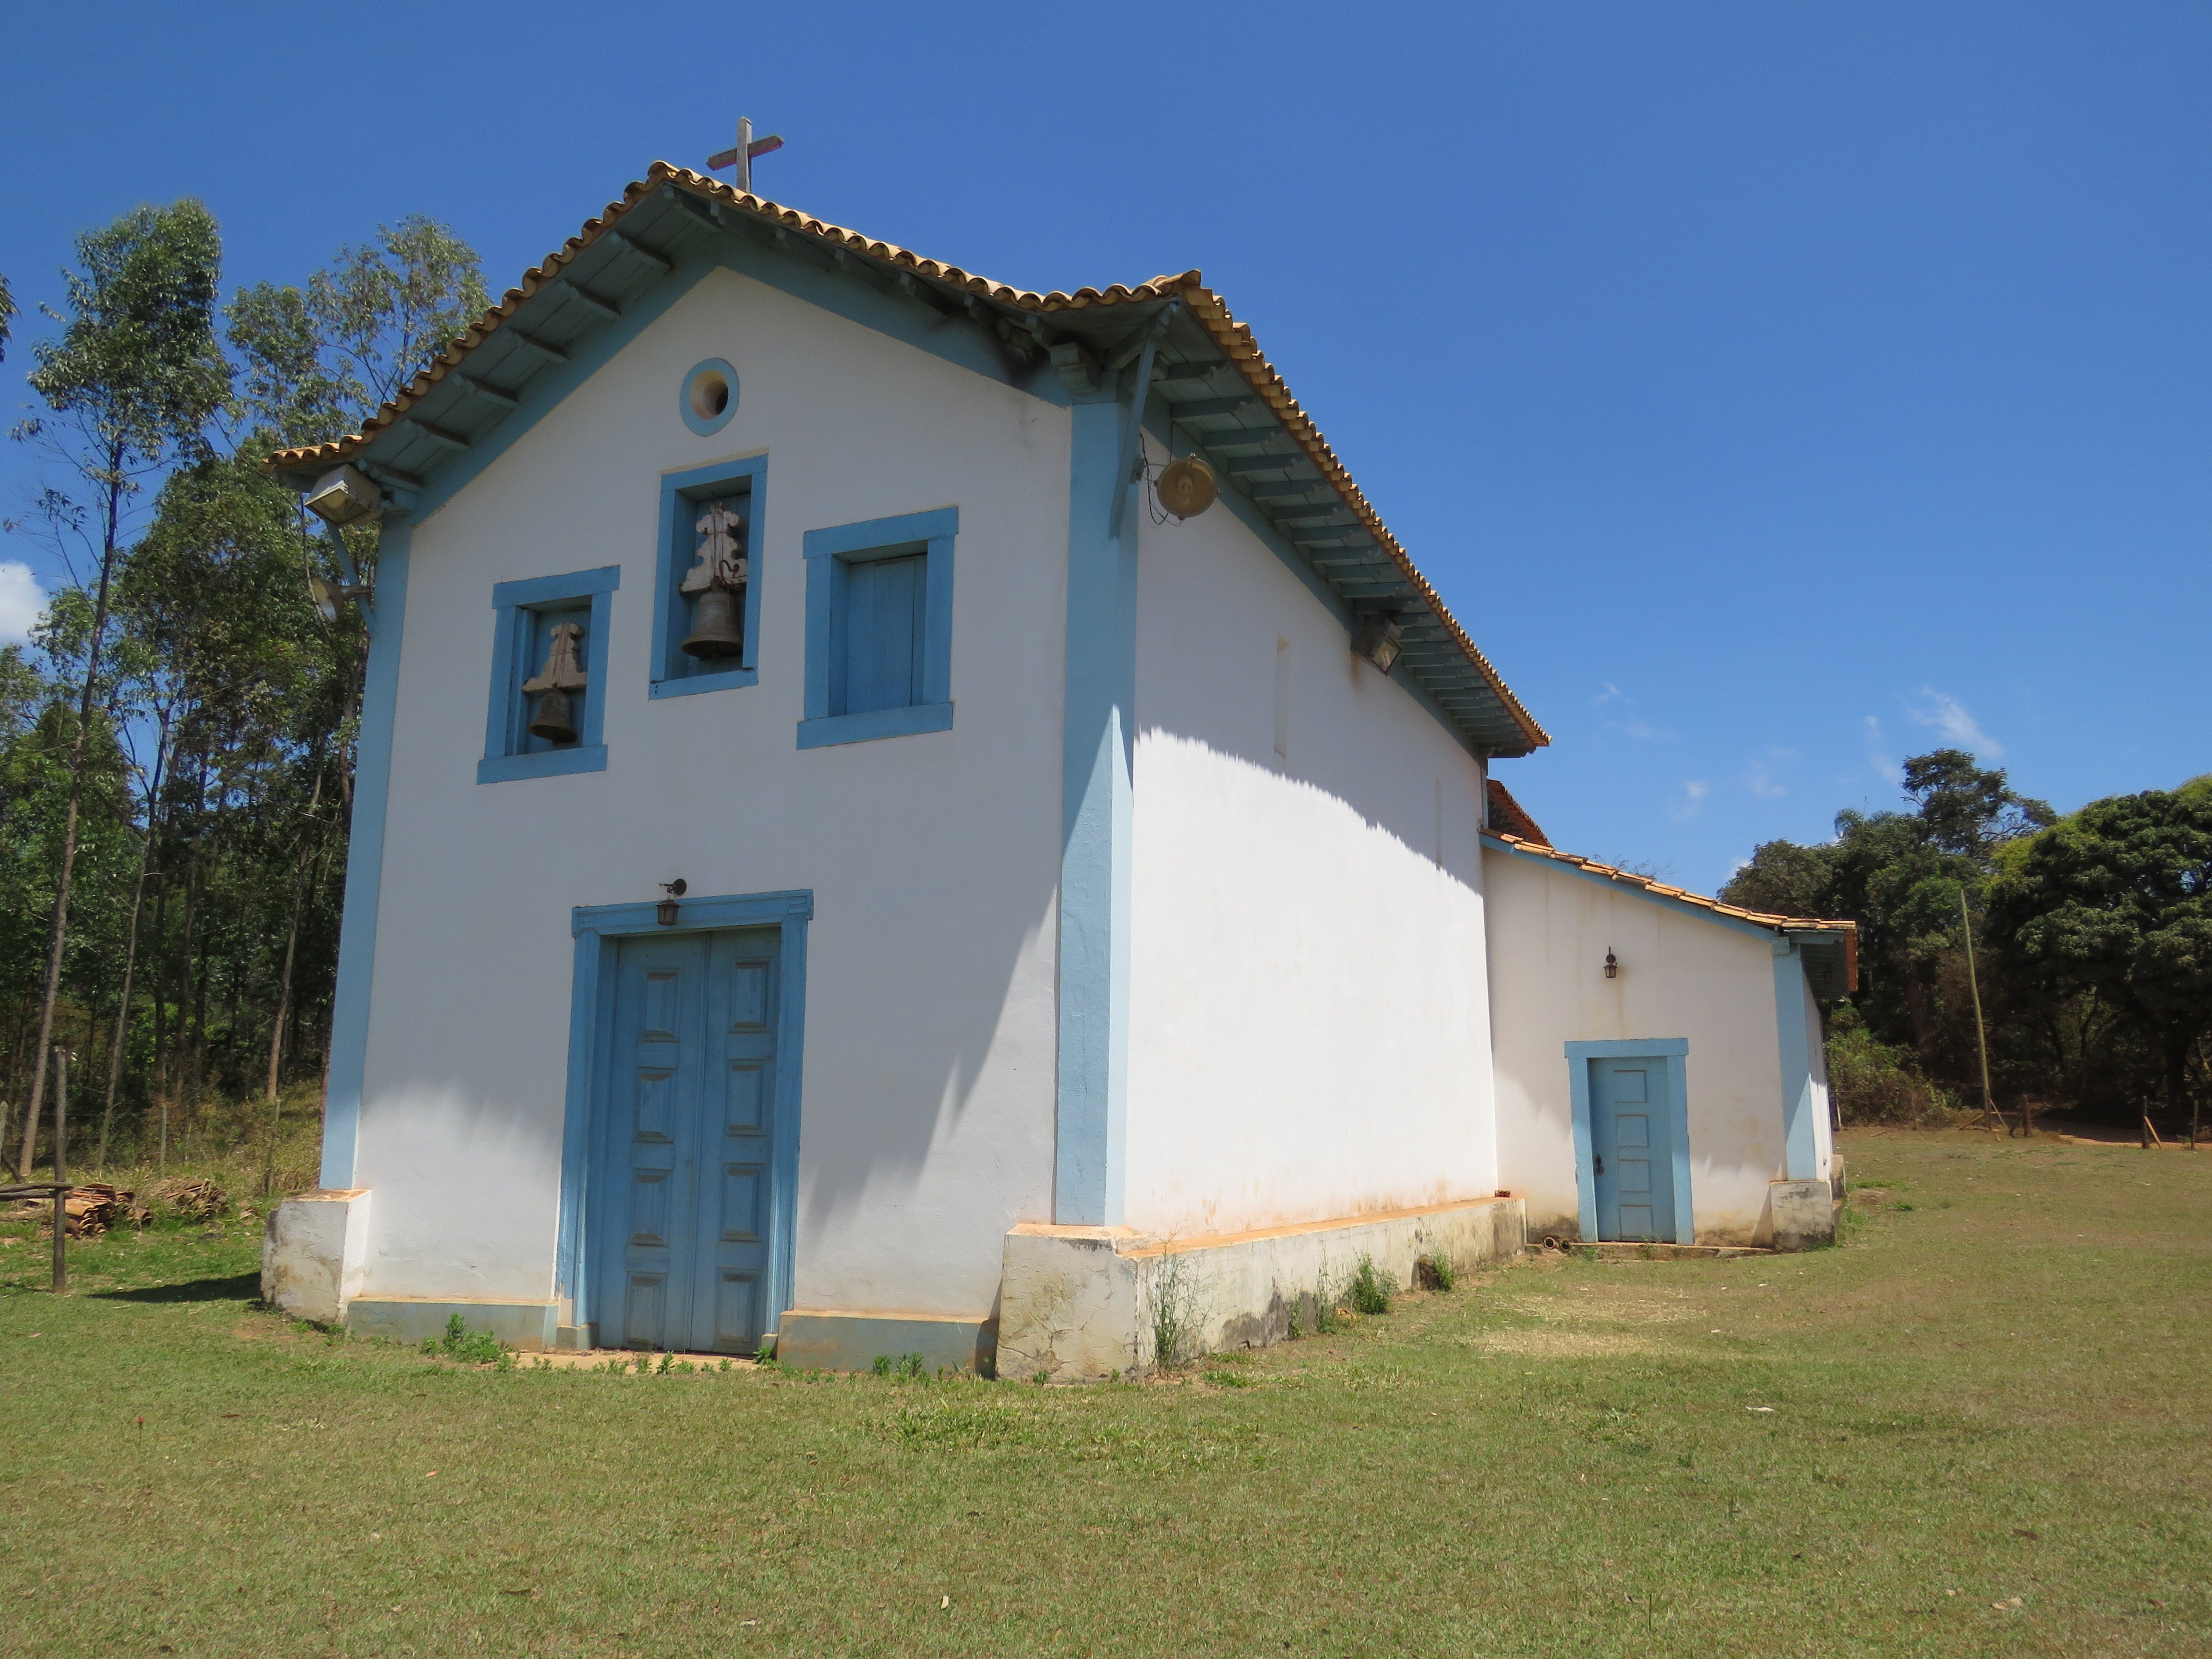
[(682, 1195), (1631, 1156), (883, 634)]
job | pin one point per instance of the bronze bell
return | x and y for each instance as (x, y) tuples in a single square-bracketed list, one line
[(555, 720), (715, 626)]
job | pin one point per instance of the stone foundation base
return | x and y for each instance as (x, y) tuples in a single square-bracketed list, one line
[(314, 1247), (833, 1340), (1080, 1304), (1804, 1213), (529, 1327)]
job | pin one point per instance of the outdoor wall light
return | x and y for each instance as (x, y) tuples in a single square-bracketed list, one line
[(1612, 966), (331, 597), (665, 912), (1186, 487), (1378, 641), (344, 496)]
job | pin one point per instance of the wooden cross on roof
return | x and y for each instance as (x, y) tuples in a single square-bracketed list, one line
[(741, 156)]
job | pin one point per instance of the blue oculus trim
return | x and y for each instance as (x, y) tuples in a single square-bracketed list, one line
[(674, 673), (598, 929), (709, 397), (880, 628), (1675, 1051), (372, 791), (526, 612)]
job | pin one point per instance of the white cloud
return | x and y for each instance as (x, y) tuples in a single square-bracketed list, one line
[(22, 601), (1948, 715), (1606, 696), (1761, 784), (1693, 796), (1885, 767), (1642, 729)]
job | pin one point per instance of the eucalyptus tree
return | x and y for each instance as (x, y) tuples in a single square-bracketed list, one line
[(129, 388), (176, 754)]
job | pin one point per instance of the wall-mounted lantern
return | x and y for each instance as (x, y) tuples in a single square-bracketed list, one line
[(1378, 641), (1612, 965), (331, 597), (344, 496), (665, 912)]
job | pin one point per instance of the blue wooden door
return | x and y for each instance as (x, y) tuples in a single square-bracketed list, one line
[(681, 1206), (1633, 1160)]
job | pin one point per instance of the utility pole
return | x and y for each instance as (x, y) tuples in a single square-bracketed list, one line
[(1981, 1036)]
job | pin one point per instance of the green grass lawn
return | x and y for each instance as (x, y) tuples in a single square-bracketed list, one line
[(1979, 1427)]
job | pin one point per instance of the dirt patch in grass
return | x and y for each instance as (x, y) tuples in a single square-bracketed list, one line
[(1567, 1344)]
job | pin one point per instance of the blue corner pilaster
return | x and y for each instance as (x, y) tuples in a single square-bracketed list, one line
[(1799, 1157), (1096, 801), (372, 780)]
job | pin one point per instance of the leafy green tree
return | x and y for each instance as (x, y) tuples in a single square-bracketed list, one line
[(181, 736), (130, 386), (7, 314), (383, 310), (2115, 902), (1899, 875)]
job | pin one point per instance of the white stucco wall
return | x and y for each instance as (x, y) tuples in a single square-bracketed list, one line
[(930, 1023), (1681, 976), (1309, 1017)]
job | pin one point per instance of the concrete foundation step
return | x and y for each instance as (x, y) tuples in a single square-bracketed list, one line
[(1620, 1252)]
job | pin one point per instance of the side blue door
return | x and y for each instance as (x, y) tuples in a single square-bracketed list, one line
[(680, 1201), (1633, 1160)]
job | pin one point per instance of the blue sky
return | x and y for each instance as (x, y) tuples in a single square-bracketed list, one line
[(1774, 390)]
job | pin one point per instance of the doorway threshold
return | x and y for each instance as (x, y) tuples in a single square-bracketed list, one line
[(1617, 1250)]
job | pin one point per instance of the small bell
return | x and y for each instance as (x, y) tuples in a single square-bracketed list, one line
[(562, 675), (715, 626), (555, 720)]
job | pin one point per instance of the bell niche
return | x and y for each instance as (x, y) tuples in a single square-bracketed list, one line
[(558, 688), (714, 587)]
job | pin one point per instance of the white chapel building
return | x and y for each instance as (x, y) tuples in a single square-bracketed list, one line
[(899, 815)]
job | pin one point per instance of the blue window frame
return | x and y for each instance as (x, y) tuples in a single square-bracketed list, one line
[(880, 628), (526, 612), (683, 495)]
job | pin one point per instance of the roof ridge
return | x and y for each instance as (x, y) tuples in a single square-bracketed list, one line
[(1234, 339), (1763, 918)]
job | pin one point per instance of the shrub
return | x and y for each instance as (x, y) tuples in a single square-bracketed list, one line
[(1371, 1289), (473, 1347), (1435, 1273), (1873, 1082)]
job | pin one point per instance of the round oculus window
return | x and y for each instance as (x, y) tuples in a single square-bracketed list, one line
[(710, 396)]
